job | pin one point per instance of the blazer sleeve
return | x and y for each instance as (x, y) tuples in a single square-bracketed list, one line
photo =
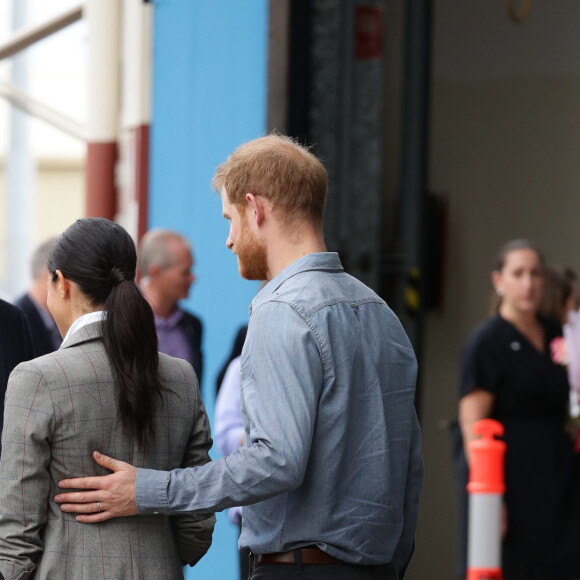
[(193, 532), (24, 471)]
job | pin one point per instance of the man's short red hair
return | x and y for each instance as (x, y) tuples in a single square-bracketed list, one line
[(280, 170)]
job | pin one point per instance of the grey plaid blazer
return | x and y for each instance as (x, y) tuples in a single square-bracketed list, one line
[(59, 409)]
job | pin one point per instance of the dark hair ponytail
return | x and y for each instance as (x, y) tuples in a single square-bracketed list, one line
[(100, 257)]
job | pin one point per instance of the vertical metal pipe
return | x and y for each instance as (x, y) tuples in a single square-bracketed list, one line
[(133, 206), (414, 159), (142, 178), (102, 127), (20, 176), (145, 49), (345, 154)]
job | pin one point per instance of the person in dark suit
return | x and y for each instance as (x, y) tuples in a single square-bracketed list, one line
[(15, 346), (45, 335), (166, 263)]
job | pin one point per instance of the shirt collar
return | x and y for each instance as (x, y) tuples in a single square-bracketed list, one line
[(83, 320), (171, 321), (317, 261)]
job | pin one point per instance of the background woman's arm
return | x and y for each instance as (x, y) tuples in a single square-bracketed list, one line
[(476, 405)]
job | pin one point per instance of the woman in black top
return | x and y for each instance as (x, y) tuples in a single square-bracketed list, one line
[(508, 373)]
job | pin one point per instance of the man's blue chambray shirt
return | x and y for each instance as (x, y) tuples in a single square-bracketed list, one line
[(333, 453)]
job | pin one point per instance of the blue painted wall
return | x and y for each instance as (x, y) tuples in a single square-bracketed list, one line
[(209, 95)]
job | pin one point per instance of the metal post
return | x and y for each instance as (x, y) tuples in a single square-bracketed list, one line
[(345, 162), (135, 117), (103, 20), (20, 172), (415, 163), (23, 38), (28, 104)]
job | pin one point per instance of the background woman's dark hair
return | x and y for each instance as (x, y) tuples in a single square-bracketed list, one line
[(512, 246), (560, 285), (100, 256), (500, 260)]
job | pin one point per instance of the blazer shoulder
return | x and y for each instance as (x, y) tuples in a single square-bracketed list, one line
[(177, 369), (19, 347), (31, 312), (47, 362), (10, 311), (23, 302), (74, 359)]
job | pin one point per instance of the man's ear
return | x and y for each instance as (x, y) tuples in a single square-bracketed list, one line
[(153, 271), (257, 207)]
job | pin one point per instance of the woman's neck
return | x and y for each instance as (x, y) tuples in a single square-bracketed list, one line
[(521, 320)]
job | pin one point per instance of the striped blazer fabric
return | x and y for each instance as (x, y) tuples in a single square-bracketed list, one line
[(61, 407)]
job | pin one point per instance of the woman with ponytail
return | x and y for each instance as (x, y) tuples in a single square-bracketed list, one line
[(106, 388)]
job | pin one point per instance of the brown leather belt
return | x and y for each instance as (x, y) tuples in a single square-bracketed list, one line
[(308, 556)]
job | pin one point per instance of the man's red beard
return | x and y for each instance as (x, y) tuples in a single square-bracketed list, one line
[(251, 252)]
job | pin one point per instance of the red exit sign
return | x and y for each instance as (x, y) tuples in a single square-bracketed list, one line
[(368, 32)]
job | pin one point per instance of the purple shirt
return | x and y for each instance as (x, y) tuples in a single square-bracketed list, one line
[(171, 338)]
